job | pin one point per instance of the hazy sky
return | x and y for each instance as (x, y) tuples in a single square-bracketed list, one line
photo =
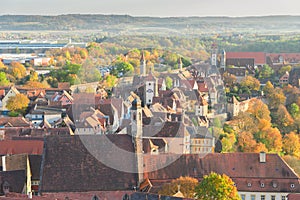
[(161, 8)]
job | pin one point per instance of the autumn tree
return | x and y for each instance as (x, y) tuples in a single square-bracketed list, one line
[(250, 82), (216, 186), (283, 119), (229, 79), (275, 98), (291, 144), (259, 110), (186, 185), (18, 70), (268, 88), (271, 138), (228, 142), (17, 103)]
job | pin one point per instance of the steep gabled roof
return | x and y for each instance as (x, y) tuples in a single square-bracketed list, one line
[(70, 166)]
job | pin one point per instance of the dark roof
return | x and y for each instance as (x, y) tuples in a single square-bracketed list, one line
[(167, 129), (241, 167), (34, 147), (32, 133), (70, 163), (15, 179), (35, 166), (149, 196)]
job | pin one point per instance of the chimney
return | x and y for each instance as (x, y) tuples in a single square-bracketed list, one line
[(262, 157)]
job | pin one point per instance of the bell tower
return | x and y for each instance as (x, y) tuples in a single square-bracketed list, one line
[(137, 134), (214, 53)]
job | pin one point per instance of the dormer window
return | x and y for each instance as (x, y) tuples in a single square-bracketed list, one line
[(262, 185), (249, 184), (274, 185), (292, 185)]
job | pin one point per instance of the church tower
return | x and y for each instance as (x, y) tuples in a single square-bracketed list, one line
[(223, 60), (143, 65), (214, 53), (137, 134), (180, 64)]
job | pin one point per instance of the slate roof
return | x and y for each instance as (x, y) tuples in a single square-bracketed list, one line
[(68, 166), (35, 162), (15, 179)]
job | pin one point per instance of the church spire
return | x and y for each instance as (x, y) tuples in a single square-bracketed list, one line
[(143, 65)]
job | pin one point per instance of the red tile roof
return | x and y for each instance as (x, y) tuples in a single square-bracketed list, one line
[(293, 196), (241, 167), (259, 57), (31, 147)]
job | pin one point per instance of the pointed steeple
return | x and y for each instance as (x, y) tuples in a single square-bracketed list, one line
[(143, 65)]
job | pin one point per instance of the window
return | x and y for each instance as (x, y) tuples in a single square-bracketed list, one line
[(262, 185), (249, 184), (262, 197), (292, 185), (243, 197), (273, 197), (283, 198), (252, 196)]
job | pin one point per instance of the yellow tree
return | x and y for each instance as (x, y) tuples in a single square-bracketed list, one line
[(250, 82), (217, 187), (17, 103), (268, 88), (272, 138), (186, 185), (246, 142), (291, 144), (259, 110), (18, 70)]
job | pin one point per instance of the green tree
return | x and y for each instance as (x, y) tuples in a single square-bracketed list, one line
[(294, 110), (186, 185), (3, 80), (284, 69), (123, 68), (17, 103), (169, 82), (216, 187), (266, 72)]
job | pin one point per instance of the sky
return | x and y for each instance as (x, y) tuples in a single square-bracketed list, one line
[(158, 8)]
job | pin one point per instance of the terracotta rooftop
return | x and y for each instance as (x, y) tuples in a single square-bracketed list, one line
[(259, 57), (241, 167), (31, 147), (14, 122)]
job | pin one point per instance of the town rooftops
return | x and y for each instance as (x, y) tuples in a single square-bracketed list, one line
[(34, 147), (71, 163), (259, 57)]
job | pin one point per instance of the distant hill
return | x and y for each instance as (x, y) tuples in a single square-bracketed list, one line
[(126, 23)]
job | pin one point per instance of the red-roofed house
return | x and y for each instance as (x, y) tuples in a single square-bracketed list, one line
[(31, 147), (259, 57)]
